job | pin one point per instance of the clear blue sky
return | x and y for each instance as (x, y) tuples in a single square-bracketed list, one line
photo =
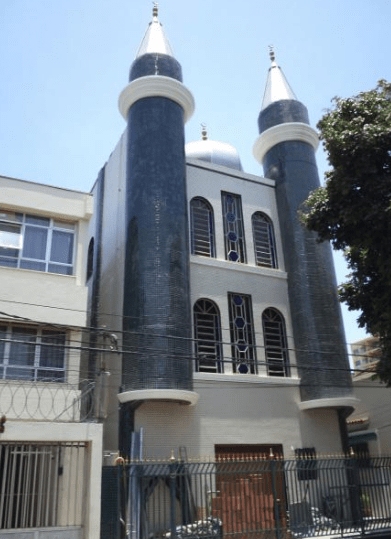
[(63, 64)]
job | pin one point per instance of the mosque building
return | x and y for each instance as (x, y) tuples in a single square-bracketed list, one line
[(228, 330)]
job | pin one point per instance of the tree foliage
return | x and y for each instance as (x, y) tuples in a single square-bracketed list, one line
[(353, 210)]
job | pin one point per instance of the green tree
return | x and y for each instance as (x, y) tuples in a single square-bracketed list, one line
[(353, 209)]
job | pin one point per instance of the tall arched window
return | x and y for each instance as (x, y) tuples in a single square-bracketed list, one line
[(264, 244), (202, 228), (207, 334), (235, 248), (276, 350), (242, 334)]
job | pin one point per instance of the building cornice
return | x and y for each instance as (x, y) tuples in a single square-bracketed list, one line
[(175, 395), (333, 402)]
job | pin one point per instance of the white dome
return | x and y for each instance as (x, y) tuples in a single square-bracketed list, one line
[(212, 151)]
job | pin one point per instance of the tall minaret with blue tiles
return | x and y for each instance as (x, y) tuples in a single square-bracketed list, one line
[(157, 313), (286, 148)]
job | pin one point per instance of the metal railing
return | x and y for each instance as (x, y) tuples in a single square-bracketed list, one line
[(250, 498)]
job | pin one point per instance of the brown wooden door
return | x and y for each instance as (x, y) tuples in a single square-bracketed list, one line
[(251, 496)]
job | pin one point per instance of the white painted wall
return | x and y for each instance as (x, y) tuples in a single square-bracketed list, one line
[(232, 409), (213, 278), (208, 180)]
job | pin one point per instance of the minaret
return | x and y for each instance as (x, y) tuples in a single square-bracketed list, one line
[(286, 149), (157, 313)]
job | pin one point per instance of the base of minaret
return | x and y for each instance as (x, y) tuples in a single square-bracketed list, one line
[(167, 395), (334, 402)]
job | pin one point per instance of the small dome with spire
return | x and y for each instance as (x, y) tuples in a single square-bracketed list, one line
[(213, 151)]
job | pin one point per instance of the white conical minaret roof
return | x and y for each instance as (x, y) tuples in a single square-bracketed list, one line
[(155, 40), (277, 87)]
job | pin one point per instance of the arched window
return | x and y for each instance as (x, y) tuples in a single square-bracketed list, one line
[(202, 228), (276, 350), (264, 244), (207, 334)]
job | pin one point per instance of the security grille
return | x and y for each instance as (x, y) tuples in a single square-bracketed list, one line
[(207, 333), (41, 484), (276, 351), (242, 334), (202, 229), (265, 251)]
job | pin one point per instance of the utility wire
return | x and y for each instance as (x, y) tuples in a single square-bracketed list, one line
[(114, 315), (108, 332)]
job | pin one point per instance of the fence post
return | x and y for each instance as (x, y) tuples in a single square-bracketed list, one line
[(173, 467), (273, 468), (357, 512)]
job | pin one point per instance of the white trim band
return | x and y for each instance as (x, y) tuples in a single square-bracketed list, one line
[(335, 402), (177, 395), (281, 133), (156, 86)]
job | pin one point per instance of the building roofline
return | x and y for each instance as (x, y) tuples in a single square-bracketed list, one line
[(30, 182)]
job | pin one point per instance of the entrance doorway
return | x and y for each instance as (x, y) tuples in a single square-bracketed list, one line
[(250, 489)]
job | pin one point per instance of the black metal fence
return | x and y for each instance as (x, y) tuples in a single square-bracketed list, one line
[(247, 498)]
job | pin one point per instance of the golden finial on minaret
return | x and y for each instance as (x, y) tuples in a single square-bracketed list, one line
[(204, 132), (155, 10), (271, 53)]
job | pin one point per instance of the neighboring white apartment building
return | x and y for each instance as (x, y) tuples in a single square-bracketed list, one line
[(370, 424), (50, 457), (365, 353)]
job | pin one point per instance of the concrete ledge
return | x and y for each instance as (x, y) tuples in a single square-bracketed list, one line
[(297, 131), (70, 532), (155, 86), (336, 402), (176, 395)]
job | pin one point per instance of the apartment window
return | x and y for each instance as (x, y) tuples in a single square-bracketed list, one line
[(264, 244), (207, 334), (235, 250), (202, 228), (276, 351), (242, 334), (28, 353), (37, 243)]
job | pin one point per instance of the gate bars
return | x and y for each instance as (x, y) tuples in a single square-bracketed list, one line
[(250, 498)]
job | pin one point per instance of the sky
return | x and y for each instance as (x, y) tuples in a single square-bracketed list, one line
[(63, 64)]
